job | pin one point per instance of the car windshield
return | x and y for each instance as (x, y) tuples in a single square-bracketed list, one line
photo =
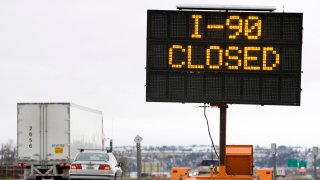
[(91, 156), (209, 162)]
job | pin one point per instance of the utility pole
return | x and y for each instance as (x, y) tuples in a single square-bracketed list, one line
[(315, 154)]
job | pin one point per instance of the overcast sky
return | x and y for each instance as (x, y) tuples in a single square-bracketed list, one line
[(93, 53)]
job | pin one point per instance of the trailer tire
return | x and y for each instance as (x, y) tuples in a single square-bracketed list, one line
[(29, 178)]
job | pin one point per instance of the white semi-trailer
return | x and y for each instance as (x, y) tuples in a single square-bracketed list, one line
[(50, 134)]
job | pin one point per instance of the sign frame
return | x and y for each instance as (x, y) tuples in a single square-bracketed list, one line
[(281, 78)]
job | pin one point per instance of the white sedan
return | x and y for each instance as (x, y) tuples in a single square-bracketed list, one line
[(95, 165)]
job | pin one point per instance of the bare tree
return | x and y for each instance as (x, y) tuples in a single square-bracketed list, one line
[(124, 161), (8, 153)]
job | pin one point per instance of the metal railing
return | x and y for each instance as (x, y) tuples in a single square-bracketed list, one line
[(11, 172)]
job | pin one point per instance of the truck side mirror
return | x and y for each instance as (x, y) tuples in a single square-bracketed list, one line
[(110, 148)]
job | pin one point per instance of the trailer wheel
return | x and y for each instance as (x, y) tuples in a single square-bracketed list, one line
[(29, 178)]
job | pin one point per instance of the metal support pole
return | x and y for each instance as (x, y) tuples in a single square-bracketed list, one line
[(223, 123), (139, 160), (274, 160), (138, 140), (315, 166), (315, 153), (274, 167), (223, 137)]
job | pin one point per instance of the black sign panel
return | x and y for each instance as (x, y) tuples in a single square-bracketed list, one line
[(224, 57)]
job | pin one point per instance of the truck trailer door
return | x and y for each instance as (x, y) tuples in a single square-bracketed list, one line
[(57, 132), (29, 131)]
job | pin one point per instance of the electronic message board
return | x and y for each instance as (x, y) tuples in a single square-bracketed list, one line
[(224, 57)]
